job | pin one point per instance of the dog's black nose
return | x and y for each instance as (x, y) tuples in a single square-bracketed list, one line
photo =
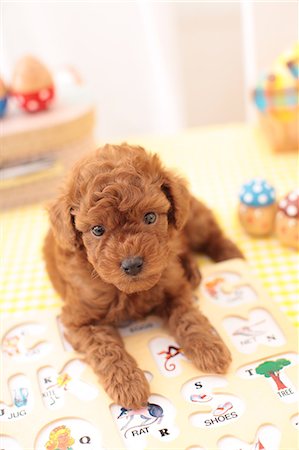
[(132, 266)]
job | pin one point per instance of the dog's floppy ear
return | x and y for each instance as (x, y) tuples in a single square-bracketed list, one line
[(178, 195), (62, 223)]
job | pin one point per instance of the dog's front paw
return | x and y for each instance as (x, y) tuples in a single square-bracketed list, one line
[(210, 355), (130, 390)]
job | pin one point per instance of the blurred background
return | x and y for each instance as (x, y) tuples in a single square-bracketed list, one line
[(154, 67), (212, 87), (112, 71)]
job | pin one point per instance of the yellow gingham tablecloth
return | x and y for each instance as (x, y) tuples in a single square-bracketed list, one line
[(216, 160)]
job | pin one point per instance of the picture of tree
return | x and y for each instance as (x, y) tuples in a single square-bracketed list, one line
[(270, 369)]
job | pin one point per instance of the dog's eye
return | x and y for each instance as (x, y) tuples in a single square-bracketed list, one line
[(98, 230), (149, 218)]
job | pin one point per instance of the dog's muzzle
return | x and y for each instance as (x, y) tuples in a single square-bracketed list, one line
[(132, 266)]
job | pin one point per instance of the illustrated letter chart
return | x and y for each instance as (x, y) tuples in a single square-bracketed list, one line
[(51, 400)]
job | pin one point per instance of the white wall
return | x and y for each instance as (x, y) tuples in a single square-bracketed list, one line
[(153, 67), (276, 27), (210, 51)]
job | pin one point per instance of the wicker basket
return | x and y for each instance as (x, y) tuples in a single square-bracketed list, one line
[(282, 135)]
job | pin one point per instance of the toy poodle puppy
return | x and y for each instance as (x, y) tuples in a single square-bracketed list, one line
[(121, 244)]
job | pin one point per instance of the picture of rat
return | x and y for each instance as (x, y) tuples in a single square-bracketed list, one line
[(152, 410)]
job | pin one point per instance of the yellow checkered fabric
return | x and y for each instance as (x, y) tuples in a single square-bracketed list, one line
[(217, 161)]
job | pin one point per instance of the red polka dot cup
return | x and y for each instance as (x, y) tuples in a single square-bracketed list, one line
[(35, 101), (287, 220), (32, 85)]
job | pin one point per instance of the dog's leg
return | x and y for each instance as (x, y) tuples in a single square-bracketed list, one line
[(191, 269), (194, 333), (104, 351), (203, 234)]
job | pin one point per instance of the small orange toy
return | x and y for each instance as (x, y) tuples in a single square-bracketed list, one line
[(3, 98)]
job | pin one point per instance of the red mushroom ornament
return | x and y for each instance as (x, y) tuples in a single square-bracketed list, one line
[(287, 220), (32, 85)]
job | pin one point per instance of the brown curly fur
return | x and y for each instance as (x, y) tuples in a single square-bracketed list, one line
[(114, 187)]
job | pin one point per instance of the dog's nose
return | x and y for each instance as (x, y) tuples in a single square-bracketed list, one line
[(132, 266)]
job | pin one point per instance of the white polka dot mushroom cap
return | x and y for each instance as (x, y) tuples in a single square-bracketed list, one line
[(257, 193), (289, 205)]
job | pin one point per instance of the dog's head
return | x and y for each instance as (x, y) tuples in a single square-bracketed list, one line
[(123, 209)]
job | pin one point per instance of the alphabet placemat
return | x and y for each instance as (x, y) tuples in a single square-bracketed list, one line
[(50, 400)]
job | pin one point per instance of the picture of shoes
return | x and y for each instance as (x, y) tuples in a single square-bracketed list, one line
[(200, 398), (222, 409)]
